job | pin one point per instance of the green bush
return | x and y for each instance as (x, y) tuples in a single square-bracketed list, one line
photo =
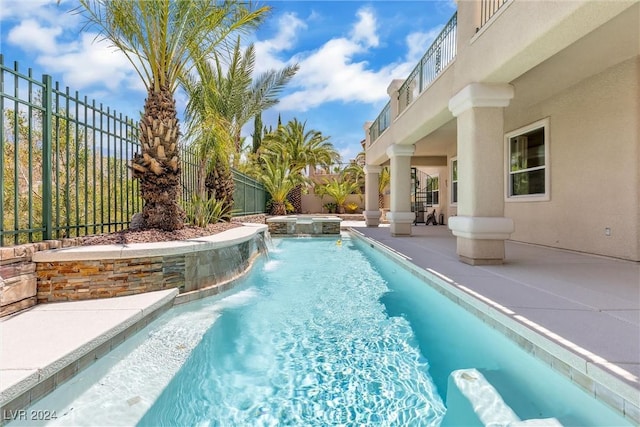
[(201, 212), (351, 207)]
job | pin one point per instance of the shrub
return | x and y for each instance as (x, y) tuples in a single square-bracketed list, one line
[(331, 207), (351, 207), (201, 212)]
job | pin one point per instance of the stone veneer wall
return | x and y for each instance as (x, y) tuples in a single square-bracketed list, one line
[(18, 280), (91, 279), (24, 283)]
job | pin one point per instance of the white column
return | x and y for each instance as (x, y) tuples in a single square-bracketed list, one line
[(480, 226), (372, 211), (400, 216), (394, 104)]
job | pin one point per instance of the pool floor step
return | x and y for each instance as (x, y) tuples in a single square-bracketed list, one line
[(473, 401)]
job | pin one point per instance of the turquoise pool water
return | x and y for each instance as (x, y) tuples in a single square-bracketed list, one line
[(318, 334), (316, 347)]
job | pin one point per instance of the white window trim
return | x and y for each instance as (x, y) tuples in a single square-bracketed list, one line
[(451, 202), (546, 196)]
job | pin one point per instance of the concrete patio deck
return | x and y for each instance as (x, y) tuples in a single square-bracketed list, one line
[(587, 304)]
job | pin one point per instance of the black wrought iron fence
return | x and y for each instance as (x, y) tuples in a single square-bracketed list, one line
[(64, 163)]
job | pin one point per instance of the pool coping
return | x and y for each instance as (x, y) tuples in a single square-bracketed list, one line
[(120, 319), (586, 372), (131, 250)]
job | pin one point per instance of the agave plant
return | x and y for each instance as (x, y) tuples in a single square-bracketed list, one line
[(201, 212)]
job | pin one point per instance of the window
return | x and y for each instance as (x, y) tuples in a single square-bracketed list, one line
[(454, 181), (433, 193), (528, 160)]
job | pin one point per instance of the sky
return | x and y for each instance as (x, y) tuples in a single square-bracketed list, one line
[(348, 53)]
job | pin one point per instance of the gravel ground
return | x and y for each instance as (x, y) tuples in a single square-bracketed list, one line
[(154, 235)]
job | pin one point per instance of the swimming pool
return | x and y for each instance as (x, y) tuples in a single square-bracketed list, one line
[(320, 333)]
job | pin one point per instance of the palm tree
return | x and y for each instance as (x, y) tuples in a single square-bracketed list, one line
[(383, 182), (339, 189), (304, 148), (278, 180), (240, 96), (164, 40), (354, 172), (221, 103)]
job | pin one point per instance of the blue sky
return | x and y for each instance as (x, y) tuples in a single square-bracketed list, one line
[(348, 52)]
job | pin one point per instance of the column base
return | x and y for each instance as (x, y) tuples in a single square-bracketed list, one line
[(400, 223), (480, 240), (372, 218), (480, 252)]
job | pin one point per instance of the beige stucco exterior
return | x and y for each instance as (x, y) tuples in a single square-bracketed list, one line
[(573, 66)]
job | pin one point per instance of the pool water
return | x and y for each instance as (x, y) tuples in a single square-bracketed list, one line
[(315, 347), (320, 333)]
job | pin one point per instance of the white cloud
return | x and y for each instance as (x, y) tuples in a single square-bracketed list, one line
[(50, 12), (365, 29), (330, 73), (30, 35), (91, 62), (267, 50), (16, 9), (53, 35)]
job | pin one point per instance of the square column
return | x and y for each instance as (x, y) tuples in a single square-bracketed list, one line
[(392, 91), (480, 226), (400, 216), (371, 180)]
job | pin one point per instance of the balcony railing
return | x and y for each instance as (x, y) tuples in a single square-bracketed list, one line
[(381, 122), (488, 8), (436, 59), (441, 52)]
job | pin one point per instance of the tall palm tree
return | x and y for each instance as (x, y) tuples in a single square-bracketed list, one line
[(304, 148), (163, 40), (221, 103), (243, 96)]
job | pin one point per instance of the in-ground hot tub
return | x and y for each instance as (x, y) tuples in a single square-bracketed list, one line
[(311, 225)]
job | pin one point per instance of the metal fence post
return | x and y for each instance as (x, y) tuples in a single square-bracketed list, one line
[(46, 158)]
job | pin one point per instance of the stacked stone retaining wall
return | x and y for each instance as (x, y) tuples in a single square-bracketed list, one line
[(25, 283), (18, 278)]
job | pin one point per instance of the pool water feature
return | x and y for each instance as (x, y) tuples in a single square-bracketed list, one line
[(324, 332), (311, 225)]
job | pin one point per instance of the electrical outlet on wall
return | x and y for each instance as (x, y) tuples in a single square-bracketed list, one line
[(607, 231)]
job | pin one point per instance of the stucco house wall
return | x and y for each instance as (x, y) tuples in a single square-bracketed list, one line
[(594, 157)]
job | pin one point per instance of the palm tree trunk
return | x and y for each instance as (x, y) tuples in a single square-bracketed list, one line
[(295, 198), (158, 167), (220, 184), (278, 208)]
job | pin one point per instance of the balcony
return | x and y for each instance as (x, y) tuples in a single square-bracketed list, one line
[(441, 52), (488, 8)]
